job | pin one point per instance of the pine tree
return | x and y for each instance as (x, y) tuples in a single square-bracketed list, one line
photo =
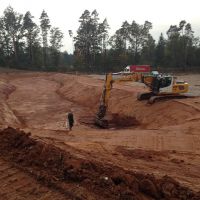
[(160, 51), (12, 22), (45, 27), (56, 37), (31, 33)]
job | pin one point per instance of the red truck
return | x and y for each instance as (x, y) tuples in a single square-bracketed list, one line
[(137, 68)]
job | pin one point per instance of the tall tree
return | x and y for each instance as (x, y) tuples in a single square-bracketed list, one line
[(148, 51), (187, 44), (31, 33), (13, 29), (180, 40), (83, 40), (94, 31), (138, 35), (45, 27), (88, 39), (160, 51), (56, 37), (5, 49), (103, 35), (103, 42), (125, 33), (129, 41)]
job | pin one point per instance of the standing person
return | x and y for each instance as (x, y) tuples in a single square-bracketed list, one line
[(70, 121)]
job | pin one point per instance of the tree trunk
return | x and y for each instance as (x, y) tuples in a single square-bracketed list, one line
[(15, 48)]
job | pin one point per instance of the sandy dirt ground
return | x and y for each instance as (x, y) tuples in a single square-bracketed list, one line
[(164, 138)]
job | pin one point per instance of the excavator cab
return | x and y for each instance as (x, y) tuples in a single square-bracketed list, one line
[(161, 82)]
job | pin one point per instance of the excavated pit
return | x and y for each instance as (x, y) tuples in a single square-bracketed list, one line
[(85, 171), (123, 108), (120, 121), (60, 169), (123, 121), (111, 121)]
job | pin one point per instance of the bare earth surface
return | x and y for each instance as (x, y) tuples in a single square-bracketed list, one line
[(163, 138)]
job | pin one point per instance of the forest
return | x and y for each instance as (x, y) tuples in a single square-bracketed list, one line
[(24, 44)]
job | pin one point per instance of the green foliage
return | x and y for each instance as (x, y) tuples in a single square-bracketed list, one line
[(45, 27), (160, 51), (179, 45), (13, 33), (56, 37), (26, 45), (91, 40), (31, 33)]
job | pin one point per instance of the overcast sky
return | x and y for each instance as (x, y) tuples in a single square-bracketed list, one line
[(65, 13)]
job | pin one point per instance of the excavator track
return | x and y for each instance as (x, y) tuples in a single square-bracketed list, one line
[(144, 96), (153, 99)]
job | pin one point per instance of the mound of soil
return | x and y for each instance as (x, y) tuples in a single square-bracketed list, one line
[(83, 179), (148, 155)]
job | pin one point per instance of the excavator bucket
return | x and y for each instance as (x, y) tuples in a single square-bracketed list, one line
[(102, 123), (99, 120)]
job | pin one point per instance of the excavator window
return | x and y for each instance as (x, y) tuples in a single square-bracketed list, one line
[(165, 82)]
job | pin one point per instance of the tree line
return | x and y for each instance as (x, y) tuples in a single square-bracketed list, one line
[(26, 45)]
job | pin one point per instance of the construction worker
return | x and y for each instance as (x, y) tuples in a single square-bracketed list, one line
[(69, 121)]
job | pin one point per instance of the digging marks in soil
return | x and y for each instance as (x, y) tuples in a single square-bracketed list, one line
[(62, 171), (39, 107)]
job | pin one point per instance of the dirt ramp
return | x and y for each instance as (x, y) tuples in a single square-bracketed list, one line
[(64, 172)]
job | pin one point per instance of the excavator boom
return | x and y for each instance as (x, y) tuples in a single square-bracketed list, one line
[(109, 80)]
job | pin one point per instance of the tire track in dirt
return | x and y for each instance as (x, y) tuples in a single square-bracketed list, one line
[(45, 110), (15, 184), (79, 178)]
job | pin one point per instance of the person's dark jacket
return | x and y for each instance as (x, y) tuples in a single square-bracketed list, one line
[(71, 119)]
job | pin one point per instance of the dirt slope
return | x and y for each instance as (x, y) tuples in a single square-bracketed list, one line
[(7, 116), (165, 141), (16, 184), (63, 171)]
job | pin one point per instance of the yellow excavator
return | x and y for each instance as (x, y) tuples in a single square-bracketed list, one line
[(160, 87)]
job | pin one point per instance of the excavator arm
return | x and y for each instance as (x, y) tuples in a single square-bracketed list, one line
[(109, 80), (105, 96)]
